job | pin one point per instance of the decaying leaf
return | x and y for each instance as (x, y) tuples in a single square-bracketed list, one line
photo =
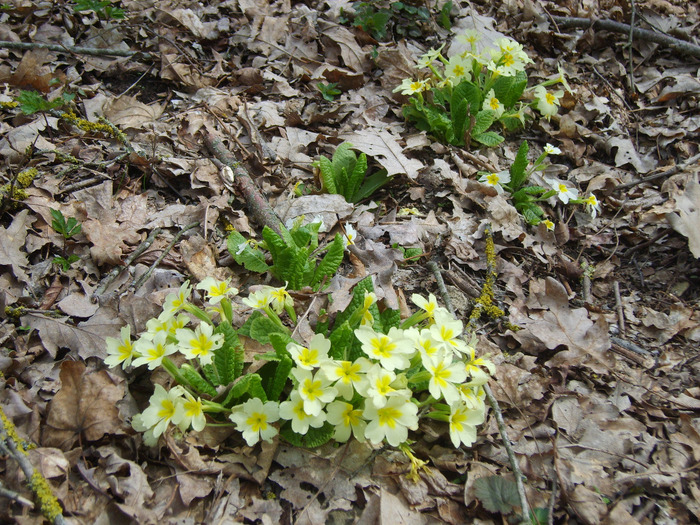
[(85, 407), (686, 220)]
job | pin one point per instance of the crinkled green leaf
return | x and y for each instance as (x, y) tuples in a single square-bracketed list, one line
[(483, 121), (262, 328), (518, 173), (489, 138), (314, 437), (228, 359), (200, 384), (252, 259), (331, 261), (497, 494)]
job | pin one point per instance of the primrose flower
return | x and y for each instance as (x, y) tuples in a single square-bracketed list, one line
[(279, 298), (312, 357), (592, 205), (379, 386), (391, 422), (347, 374), (422, 341), (564, 192), (509, 58), (392, 350), (463, 422), (176, 302), (258, 300), (350, 235), (496, 180), (493, 104), (472, 363), (547, 102), (172, 325), (429, 57), (409, 86), (548, 224), (216, 290), (315, 390), (120, 351), (152, 351), (444, 374), (254, 420), (293, 410), (446, 333), (347, 420), (457, 69), (193, 413), (551, 150), (164, 408), (200, 343), (430, 305), (469, 37)]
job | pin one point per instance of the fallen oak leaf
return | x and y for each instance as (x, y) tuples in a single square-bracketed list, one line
[(687, 219), (85, 405), (385, 149)]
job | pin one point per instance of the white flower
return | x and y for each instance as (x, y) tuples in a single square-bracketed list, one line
[(216, 290), (279, 298), (120, 351), (347, 420), (548, 224), (446, 333), (547, 102), (551, 150), (409, 86), (312, 357), (509, 58), (258, 300), (346, 375), (423, 342), (430, 304), (164, 408), (350, 235), (429, 57), (293, 410), (379, 386), (254, 420), (469, 37), (493, 104), (444, 374), (564, 192), (457, 69), (392, 350), (463, 422), (200, 343), (193, 413), (176, 302), (496, 180), (592, 205), (152, 351), (315, 390), (391, 422)]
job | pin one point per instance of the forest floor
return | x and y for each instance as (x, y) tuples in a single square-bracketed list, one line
[(597, 361)]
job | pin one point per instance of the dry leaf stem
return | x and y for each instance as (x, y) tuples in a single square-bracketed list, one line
[(432, 265), (244, 183), (676, 44), (77, 50)]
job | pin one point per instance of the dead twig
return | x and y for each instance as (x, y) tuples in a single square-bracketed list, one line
[(565, 22), (244, 184), (666, 173), (494, 406), (76, 50), (620, 309)]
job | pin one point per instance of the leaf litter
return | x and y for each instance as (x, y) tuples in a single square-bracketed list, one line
[(603, 414)]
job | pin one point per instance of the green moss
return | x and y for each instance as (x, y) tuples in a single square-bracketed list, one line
[(9, 427), (50, 507)]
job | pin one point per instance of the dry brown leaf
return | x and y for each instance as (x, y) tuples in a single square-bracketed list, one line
[(11, 253), (85, 405), (385, 149), (686, 220)]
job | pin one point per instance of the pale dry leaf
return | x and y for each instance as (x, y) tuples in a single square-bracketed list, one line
[(11, 244), (686, 219), (127, 112), (86, 405), (87, 339), (385, 149), (127, 480)]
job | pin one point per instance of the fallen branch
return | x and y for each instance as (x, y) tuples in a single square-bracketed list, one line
[(491, 398), (243, 183), (676, 44), (13, 446), (76, 50)]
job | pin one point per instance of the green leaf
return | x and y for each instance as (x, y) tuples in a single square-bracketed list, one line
[(212, 374), (340, 339), (327, 176), (251, 259), (508, 90), (489, 139), (355, 178), (331, 261), (483, 122), (200, 384), (251, 385), (274, 242), (518, 173), (358, 298), (370, 185), (314, 437), (245, 329), (497, 494), (279, 380), (262, 328), (228, 359), (390, 318)]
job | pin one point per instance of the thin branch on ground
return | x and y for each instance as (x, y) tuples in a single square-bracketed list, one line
[(688, 48), (14, 496), (112, 275), (494, 404), (666, 173), (76, 50), (12, 446), (139, 282), (245, 185)]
